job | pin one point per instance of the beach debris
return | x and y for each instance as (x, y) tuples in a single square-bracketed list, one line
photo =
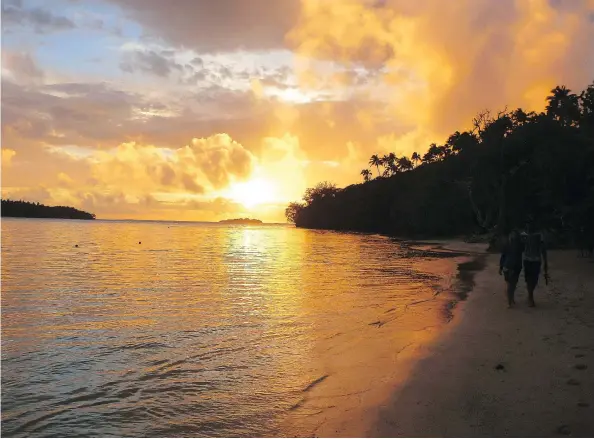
[(573, 382), (500, 367), (315, 383), (564, 430), (581, 366), (296, 406), (583, 404), (76, 245), (378, 323), (140, 242)]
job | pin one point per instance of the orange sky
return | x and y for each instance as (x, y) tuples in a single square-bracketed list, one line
[(200, 110)]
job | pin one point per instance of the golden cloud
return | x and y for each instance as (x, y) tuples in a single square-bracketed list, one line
[(441, 62), (7, 156)]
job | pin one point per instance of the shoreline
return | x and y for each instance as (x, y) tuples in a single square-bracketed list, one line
[(354, 413), (500, 372)]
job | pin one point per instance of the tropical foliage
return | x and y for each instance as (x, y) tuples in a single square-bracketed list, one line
[(36, 210), (510, 166)]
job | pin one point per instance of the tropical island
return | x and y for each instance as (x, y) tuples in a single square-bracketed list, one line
[(241, 221), (25, 209), (510, 166)]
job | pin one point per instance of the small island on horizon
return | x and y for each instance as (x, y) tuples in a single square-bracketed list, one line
[(241, 221), (26, 209)]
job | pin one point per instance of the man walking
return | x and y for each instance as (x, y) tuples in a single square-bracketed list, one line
[(510, 264), (535, 254)]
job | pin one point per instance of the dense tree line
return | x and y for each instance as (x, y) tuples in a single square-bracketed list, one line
[(26, 209), (511, 166)]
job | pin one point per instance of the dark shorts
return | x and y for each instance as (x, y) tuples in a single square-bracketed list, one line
[(512, 274), (531, 272)]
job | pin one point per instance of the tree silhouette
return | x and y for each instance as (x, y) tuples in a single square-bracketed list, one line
[(587, 109), (24, 209), (563, 106), (512, 164), (376, 161), (366, 173), (432, 154), (405, 164), (292, 211), (322, 190)]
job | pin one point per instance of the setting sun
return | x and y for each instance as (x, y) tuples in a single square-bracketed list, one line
[(252, 193)]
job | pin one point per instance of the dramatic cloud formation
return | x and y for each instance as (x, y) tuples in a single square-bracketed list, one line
[(444, 61), (199, 109), (216, 26)]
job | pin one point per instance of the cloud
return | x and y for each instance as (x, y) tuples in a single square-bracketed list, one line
[(365, 77), (444, 62), (65, 180), (219, 157), (216, 26), (204, 164), (159, 64), (7, 156), (39, 194), (41, 20), (67, 113), (20, 67)]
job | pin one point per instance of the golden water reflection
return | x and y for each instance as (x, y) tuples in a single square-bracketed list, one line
[(166, 329)]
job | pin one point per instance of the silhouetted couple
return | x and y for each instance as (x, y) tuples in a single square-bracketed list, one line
[(527, 247)]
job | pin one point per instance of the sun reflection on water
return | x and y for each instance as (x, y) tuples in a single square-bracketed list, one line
[(168, 329)]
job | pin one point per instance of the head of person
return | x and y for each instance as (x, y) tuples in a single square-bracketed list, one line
[(530, 228)]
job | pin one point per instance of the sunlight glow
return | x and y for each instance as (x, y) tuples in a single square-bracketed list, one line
[(252, 193)]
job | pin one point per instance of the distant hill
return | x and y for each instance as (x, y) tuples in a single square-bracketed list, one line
[(241, 221), (25, 209)]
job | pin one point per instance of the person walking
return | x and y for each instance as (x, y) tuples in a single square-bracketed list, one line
[(510, 264), (535, 254)]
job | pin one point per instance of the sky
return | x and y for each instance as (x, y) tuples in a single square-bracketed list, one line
[(206, 110)]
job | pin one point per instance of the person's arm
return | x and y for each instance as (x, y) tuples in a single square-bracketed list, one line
[(502, 258), (544, 256)]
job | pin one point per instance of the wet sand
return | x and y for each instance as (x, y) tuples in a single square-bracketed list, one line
[(499, 372)]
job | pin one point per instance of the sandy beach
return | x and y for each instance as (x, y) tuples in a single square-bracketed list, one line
[(500, 372)]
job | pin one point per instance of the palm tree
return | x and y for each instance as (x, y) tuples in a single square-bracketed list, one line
[(375, 161), (432, 154), (386, 164), (366, 173), (416, 158), (563, 105), (405, 164), (459, 142)]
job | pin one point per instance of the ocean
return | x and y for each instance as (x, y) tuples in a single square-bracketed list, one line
[(128, 328)]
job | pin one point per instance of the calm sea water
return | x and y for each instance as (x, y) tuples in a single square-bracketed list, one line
[(196, 329)]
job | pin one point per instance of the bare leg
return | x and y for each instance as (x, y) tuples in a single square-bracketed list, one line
[(511, 290), (531, 287)]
